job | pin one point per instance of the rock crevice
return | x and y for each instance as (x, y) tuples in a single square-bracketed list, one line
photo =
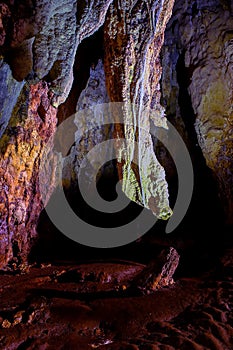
[(200, 33)]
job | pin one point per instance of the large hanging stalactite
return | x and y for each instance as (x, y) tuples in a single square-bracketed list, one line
[(133, 38)]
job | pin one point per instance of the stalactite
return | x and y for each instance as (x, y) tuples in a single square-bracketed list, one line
[(133, 39)]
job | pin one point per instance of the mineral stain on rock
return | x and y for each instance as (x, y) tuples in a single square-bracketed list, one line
[(172, 58), (133, 71), (199, 35)]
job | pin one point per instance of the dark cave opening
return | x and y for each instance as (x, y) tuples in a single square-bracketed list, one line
[(51, 244), (196, 238), (89, 52), (205, 196), (205, 217), (163, 291)]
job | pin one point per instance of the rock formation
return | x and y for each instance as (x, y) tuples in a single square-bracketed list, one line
[(40, 41), (159, 273), (31, 125), (197, 58), (90, 125), (38, 47), (133, 39), (157, 63), (39, 44)]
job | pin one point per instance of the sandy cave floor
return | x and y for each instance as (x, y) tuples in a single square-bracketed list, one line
[(64, 306)]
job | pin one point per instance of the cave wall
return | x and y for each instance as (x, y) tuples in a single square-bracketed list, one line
[(90, 126), (31, 125), (197, 61), (130, 75), (39, 41), (38, 46), (9, 92)]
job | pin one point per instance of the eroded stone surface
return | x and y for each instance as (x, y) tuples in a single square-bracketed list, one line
[(159, 273), (199, 39), (91, 129), (39, 41), (133, 39), (54, 30), (5, 15), (32, 123), (9, 93)]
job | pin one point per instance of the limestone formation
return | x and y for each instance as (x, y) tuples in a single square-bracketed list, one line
[(91, 128), (133, 39), (9, 93), (39, 42), (32, 123), (43, 38), (38, 45), (159, 273), (198, 41)]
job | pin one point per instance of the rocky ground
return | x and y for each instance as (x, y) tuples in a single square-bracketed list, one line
[(88, 306)]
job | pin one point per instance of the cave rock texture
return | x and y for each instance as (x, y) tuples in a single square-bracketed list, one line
[(39, 52), (39, 41), (90, 125), (32, 123), (198, 58), (133, 39)]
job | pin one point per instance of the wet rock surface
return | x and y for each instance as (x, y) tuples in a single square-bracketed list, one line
[(92, 125), (85, 306)]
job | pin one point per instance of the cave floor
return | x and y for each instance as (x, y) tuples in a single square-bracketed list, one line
[(65, 306)]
